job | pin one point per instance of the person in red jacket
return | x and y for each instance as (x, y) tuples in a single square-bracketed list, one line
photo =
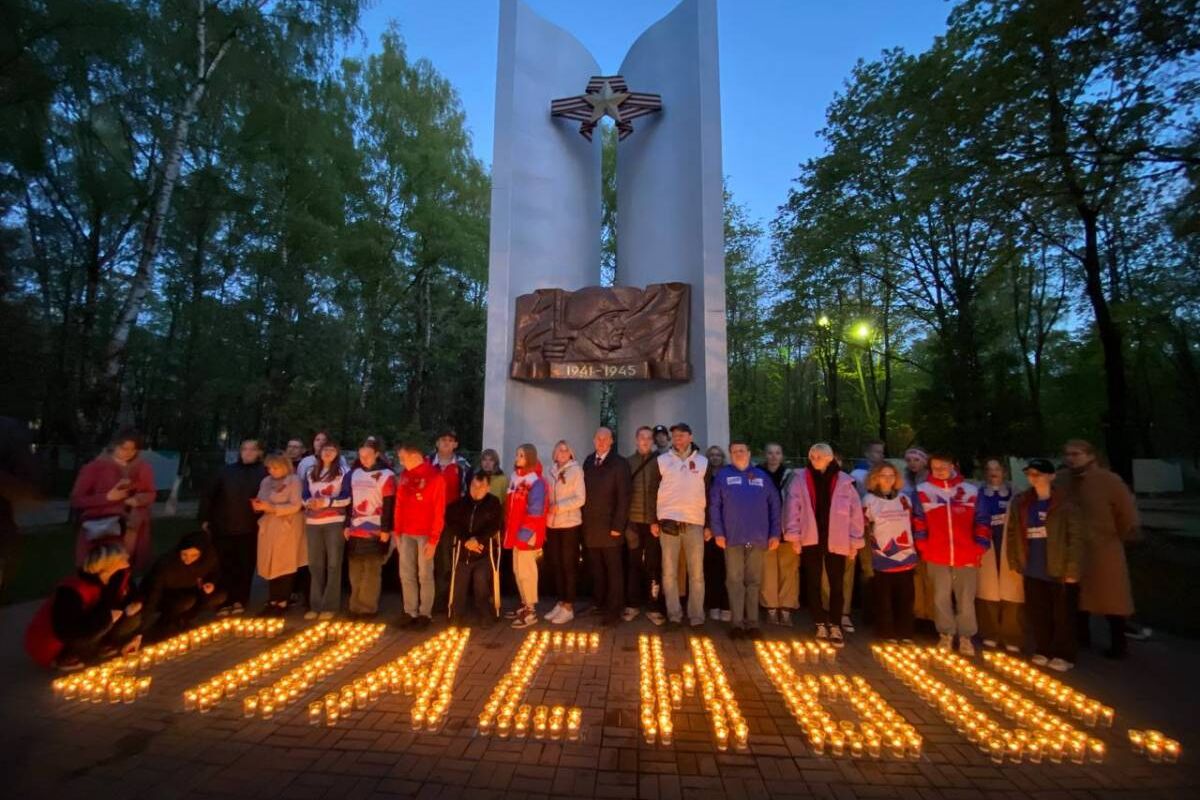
[(90, 615), (420, 516), (525, 530), (946, 538)]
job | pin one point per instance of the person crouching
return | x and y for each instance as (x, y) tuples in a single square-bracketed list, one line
[(89, 616)]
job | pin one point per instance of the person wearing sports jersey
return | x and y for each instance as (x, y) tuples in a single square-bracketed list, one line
[(325, 490), (368, 529), (1046, 545), (1000, 599), (887, 514)]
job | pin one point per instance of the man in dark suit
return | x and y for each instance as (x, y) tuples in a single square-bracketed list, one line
[(607, 481)]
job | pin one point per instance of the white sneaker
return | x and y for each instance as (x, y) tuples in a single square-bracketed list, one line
[(727, 616), (965, 647), (1061, 665), (989, 643), (773, 616), (310, 614), (1040, 660), (785, 617), (656, 617), (564, 616), (630, 614), (1012, 648), (324, 615), (715, 614), (552, 613), (847, 623), (822, 630), (835, 636), (945, 642)]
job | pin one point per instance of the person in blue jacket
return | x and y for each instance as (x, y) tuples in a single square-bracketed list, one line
[(744, 514)]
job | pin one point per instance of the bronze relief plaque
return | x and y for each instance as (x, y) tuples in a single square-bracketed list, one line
[(603, 333)]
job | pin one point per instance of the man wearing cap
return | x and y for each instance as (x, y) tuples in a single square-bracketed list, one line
[(681, 507), (1046, 547), (662, 439), (456, 474)]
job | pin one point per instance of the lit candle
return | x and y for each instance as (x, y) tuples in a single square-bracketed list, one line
[(1170, 751)]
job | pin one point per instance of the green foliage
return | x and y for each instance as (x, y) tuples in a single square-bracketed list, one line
[(322, 258)]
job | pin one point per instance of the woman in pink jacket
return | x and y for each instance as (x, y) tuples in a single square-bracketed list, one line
[(824, 522)]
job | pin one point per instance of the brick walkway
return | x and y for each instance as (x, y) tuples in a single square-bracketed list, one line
[(152, 748)]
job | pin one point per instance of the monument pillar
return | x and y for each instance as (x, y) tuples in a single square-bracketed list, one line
[(545, 226), (670, 198)]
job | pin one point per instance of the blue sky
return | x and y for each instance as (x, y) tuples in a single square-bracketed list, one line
[(782, 61)]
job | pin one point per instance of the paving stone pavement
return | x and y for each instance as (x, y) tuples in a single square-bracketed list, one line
[(152, 748)]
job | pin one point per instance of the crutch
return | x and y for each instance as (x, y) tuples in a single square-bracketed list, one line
[(494, 558), (453, 573)]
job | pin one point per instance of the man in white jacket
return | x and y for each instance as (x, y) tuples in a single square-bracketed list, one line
[(681, 503)]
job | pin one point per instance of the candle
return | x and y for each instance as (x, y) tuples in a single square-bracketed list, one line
[(315, 710), (1170, 751), (1033, 751), (1154, 750), (722, 735), (741, 735), (1096, 751)]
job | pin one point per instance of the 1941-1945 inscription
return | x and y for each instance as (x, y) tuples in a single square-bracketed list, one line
[(603, 333)]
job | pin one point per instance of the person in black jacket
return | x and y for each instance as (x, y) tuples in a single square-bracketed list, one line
[(228, 517), (180, 585), (474, 522), (607, 484)]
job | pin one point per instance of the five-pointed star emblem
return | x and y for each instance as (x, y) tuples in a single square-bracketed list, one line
[(606, 102)]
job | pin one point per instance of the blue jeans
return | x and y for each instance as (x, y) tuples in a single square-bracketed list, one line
[(326, 546), (691, 540), (416, 575)]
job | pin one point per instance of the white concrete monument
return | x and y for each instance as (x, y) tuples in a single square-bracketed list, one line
[(545, 235)]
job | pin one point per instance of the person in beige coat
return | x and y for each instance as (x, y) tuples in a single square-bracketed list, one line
[(1110, 521), (1000, 594), (281, 545)]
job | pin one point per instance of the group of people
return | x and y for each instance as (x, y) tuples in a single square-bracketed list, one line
[(670, 531)]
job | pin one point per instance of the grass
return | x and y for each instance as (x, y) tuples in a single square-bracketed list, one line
[(45, 555)]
